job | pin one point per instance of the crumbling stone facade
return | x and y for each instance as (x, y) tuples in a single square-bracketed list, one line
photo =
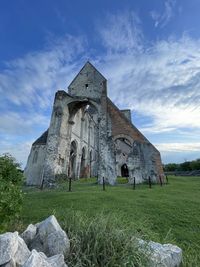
[(89, 136)]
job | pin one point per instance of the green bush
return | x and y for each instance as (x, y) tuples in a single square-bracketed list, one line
[(11, 195)]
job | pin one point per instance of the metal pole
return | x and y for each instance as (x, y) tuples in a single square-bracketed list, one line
[(160, 178), (133, 183), (149, 182), (70, 184), (104, 184)]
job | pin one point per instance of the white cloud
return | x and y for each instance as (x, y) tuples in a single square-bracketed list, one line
[(123, 33), (13, 123), (162, 83), (19, 150), (162, 19), (33, 79), (178, 147)]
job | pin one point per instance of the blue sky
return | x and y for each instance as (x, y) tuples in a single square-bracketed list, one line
[(148, 50)]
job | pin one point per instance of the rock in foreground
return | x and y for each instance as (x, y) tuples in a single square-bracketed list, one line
[(166, 255), (45, 237), (48, 237)]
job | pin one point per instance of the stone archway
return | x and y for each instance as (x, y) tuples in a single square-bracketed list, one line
[(63, 116), (124, 170)]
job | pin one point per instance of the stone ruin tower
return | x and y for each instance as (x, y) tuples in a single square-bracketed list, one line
[(89, 136)]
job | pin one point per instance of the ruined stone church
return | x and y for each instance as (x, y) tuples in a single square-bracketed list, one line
[(89, 136)]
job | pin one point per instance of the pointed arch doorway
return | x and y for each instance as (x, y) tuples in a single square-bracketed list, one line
[(124, 170)]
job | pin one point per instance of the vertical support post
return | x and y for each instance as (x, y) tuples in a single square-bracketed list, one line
[(42, 183), (167, 180), (149, 182), (133, 183), (70, 184), (104, 188), (160, 179)]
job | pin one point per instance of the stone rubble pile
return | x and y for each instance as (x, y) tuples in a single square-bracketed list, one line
[(42, 245), (45, 244)]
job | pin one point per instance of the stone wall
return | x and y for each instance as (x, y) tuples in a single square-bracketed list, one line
[(35, 164), (144, 159)]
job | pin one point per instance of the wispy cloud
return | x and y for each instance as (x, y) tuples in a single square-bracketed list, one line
[(32, 79), (178, 147), (162, 82), (162, 19), (124, 32), (14, 123)]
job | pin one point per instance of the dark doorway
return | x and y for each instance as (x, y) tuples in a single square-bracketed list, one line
[(124, 170)]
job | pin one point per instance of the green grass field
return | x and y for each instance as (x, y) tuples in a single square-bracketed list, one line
[(165, 214)]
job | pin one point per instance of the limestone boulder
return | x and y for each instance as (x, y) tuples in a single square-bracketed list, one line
[(11, 263), (159, 255), (39, 259), (13, 250), (36, 259), (166, 255), (29, 234), (22, 253), (50, 238), (8, 247)]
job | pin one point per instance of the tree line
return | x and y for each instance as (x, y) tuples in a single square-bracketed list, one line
[(185, 166)]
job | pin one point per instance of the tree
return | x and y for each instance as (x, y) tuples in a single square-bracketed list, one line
[(11, 179), (185, 166), (170, 167), (195, 164)]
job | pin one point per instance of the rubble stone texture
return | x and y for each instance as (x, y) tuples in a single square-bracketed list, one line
[(89, 136)]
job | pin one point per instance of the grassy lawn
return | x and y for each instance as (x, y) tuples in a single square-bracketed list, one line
[(166, 214)]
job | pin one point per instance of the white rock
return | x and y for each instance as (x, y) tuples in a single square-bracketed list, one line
[(22, 253), (159, 255), (50, 238), (176, 253), (29, 234), (11, 263), (36, 260), (57, 261), (8, 246), (39, 259), (57, 243)]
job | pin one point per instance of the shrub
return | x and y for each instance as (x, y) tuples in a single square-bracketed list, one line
[(11, 195)]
